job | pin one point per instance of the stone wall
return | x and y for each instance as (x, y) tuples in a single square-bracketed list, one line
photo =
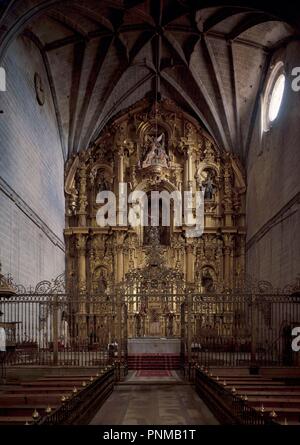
[(31, 172), (273, 170)]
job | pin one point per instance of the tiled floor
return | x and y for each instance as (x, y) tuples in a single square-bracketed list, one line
[(172, 404)]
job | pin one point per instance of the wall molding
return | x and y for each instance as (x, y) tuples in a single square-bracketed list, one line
[(31, 214), (284, 213)]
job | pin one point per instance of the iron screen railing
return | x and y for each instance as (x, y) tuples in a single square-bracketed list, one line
[(47, 326), (242, 329)]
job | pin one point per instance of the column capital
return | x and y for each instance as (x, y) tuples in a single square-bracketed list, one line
[(80, 242), (189, 248)]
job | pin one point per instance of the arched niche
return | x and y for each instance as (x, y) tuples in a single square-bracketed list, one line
[(100, 279), (165, 205)]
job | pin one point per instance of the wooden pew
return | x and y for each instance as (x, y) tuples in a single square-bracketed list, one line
[(270, 396), (19, 402)]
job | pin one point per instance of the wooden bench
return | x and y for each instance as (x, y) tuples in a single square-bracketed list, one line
[(20, 398), (12, 420), (271, 401), (54, 384), (288, 413), (18, 402), (270, 396), (43, 390), (23, 410), (255, 393)]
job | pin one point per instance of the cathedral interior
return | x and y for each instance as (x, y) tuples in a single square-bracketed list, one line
[(149, 212)]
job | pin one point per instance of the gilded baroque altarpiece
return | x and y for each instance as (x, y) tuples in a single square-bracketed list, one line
[(154, 147)]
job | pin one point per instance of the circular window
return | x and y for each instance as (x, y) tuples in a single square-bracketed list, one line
[(276, 97), (273, 96)]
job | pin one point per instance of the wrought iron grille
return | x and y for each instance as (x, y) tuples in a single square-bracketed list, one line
[(242, 329), (46, 325)]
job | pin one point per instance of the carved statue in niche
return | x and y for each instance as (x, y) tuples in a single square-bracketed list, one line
[(138, 324), (152, 236), (64, 330), (208, 183), (154, 322), (102, 183), (207, 281), (156, 235), (170, 324), (72, 200), (100, 279), (156, 154)]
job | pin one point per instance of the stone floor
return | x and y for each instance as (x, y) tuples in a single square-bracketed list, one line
[(134, 377), (154, 404)]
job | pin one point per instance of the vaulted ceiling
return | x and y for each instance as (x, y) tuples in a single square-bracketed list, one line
[(103, 56)]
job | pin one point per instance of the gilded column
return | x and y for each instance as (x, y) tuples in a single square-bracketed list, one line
[(81, 261), (188, 168), (189, 263), (188, 297), (120, 307), (227, 200), (121, 165), (83, 202), (186, 171), (120, 263), (227, 260), (121, 190), (240, 264), (81, 264), (243, 256)]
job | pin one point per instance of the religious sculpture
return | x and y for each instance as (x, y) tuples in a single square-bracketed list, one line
[(156, 154), (64, 331), (207, 280), (102, 184), (209, 187)]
